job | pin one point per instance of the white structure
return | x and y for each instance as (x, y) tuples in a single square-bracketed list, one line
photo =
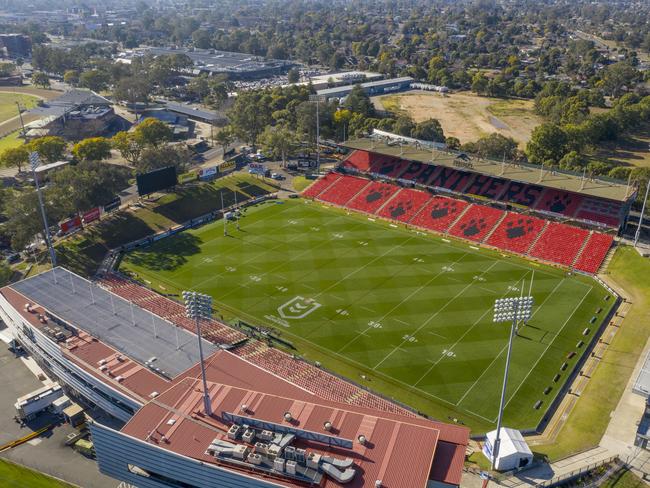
[(513, 453)]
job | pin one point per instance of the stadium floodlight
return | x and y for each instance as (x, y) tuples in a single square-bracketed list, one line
[(513, 310), (35, 162), (199, 306)]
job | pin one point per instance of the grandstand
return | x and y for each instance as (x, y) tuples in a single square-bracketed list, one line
[(599, 203), (93, 337), (552, 242)]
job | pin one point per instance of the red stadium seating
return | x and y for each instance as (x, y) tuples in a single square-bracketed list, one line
[(516, 232), (559, 243), (387, 166), (359, 160), (439, 213), (592, 256), (522, 194), (343, 190), (559, 202), (451, 179), (476, 222), (373, 197), (320, 185), (404, 205), (603, 211)]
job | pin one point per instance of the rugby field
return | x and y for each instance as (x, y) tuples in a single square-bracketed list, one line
[(406, 313)]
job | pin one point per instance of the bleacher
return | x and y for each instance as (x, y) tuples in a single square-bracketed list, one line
[(595, 211), (439, 213), (321, 185), (516, 232), (373, 197), (511, 231), (476, 222), (560, 243)]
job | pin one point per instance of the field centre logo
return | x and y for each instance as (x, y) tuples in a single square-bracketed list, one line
[(298, 308)]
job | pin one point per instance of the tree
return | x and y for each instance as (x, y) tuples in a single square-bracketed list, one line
[(15, 157), (71, 77), (6, 273), (359, 102), (493, 146), (24, 220), (152, 132), (278, 142), (293, 76), (49, 147), (479, 83), (155, 157), (452, 143), (429, 130), (128, 146), (41, 79), (548, 143), (132, 89), (94, 79), (92, 149), (617, 76), (404, 126), (225, 138), (342, 118)]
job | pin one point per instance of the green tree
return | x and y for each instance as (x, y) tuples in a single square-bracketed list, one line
[(548, 143), (225, 138), (479, 83), (359, 102), (155, 157), (495, 146), (278, 142), (404, 126), (617, 76), (94, 79), (452, 143), (293, 76), (6, 273), (92, 149), (51, 148), (128, 146), (429, 130), (41, 79), (15, 157), (71, 77), (152, 132)]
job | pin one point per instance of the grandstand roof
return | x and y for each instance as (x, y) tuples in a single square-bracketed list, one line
[(526, 173), (88, 307)]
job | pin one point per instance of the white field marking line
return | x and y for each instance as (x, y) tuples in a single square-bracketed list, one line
[(465, 333), (362, 267), (478, 415), (506, 345), (549, 345), (426, 322), (401, 321), (334, 296), (418, 290), (326, 241), (437, 335), (308, 286), (367, 309)]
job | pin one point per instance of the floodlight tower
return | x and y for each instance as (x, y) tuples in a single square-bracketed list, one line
[(35, 162), (508, 310), (199, 306)]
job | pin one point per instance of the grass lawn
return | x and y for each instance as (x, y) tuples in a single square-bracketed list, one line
[(8, 108), (13, 475), (83, 253), (589, 419), (624, 479), (411, 312), (9, 141), (300, 183)]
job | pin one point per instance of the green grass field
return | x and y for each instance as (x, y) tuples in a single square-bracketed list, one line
[(8, 108), (14, 475), (408, 310)]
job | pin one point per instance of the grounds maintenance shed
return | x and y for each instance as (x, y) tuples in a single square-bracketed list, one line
[(514, 452)]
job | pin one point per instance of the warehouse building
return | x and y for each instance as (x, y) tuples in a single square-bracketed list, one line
[(372, 88)]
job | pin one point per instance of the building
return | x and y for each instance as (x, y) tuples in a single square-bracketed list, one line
[(514, 453), (330, 80), (238, 66), (371, 88), (143, 370), (75, 115), (15, 46)]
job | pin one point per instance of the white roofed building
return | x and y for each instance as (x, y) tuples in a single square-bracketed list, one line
[(513, 451)]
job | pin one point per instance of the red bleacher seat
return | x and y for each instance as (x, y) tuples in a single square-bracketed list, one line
[(522, 194), (476, 222), (559, 202), (451, 179), (439, 213), (343, 190), (404, 205), (387, 165), (594, 253), (373, 196), (516, 232), (320, 185), (358, 160), (559, 243), (599, 210)]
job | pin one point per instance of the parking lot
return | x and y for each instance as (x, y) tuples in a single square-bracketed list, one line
[(47, 453)]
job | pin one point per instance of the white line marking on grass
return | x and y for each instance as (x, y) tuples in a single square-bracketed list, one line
[(450, 349), (478, 415), (308, 286), (418, 290), (367, 309), (402, 322), (549, 345), (506, 345), (426, 322), (338, 298), (437, 335)]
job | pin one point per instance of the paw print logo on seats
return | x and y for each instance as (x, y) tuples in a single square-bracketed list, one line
[(559, 203), (387, 168), (443, 208), (375, 195), (473, 227), (400, 209), (519, 228)]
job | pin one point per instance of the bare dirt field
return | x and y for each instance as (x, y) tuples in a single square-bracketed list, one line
[(465, 115)]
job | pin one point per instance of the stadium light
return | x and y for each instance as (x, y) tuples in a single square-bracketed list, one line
[(513, 310), (35, 162), (199, 306)]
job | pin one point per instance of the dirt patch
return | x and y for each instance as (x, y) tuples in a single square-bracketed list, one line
[(465, 115)]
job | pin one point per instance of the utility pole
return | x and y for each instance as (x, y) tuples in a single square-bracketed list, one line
[(35, 161), (22, 123)]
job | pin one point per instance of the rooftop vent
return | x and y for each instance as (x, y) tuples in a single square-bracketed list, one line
[(362, 440), (288, 417), (327, 425), (243, 408)]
